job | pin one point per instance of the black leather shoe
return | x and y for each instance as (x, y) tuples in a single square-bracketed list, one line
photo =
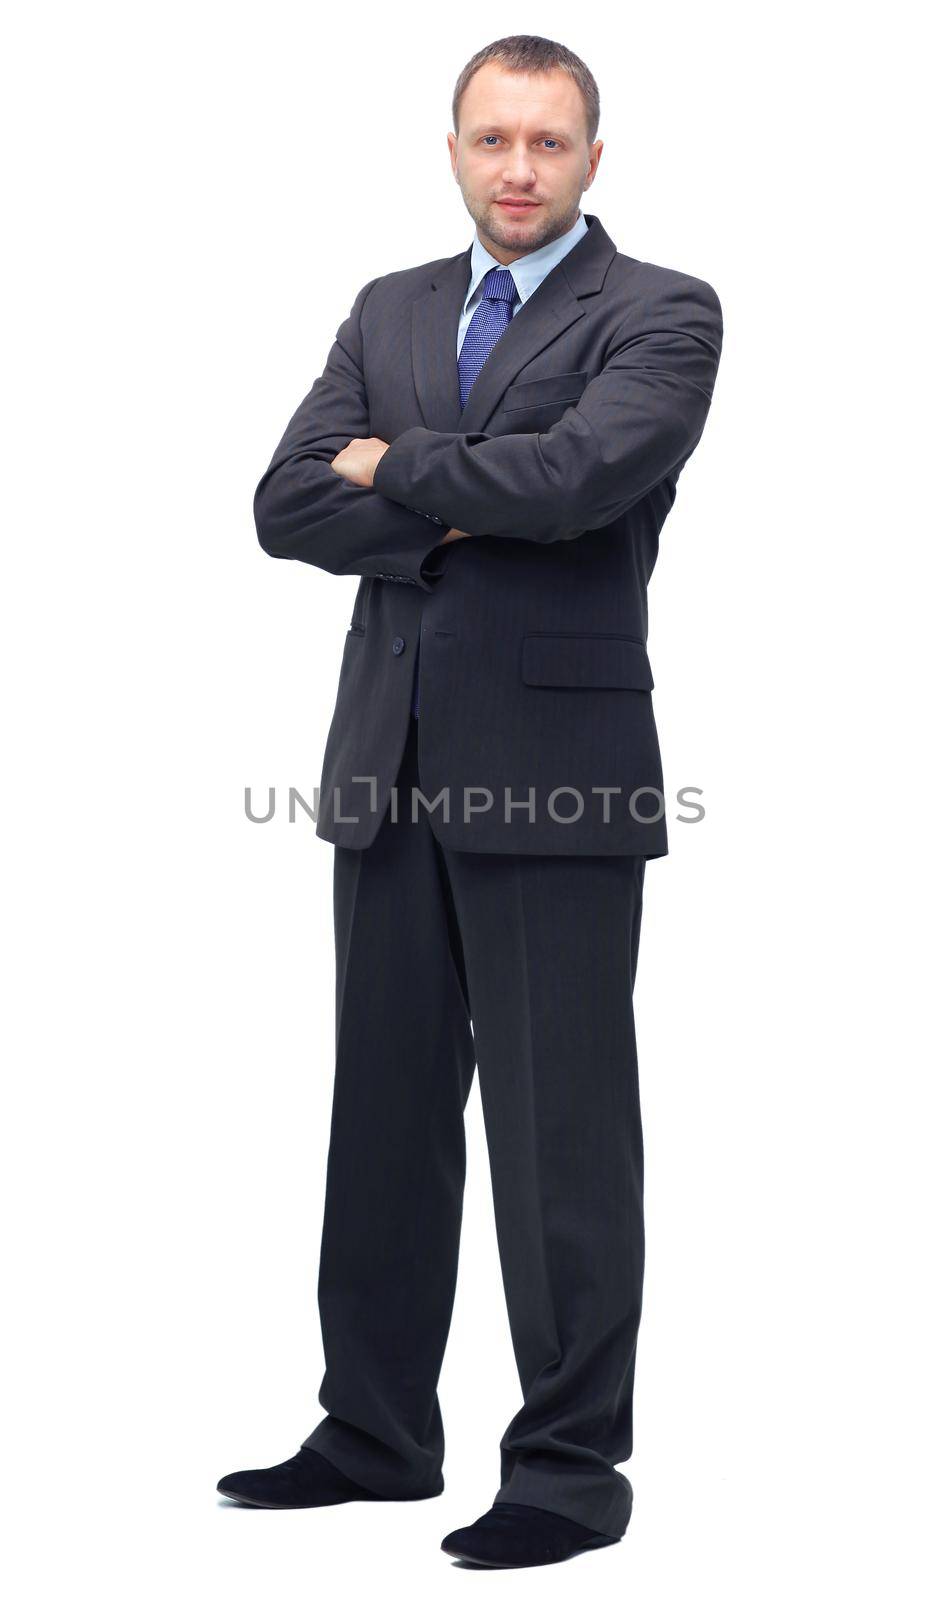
[(308, 1479), (510, 1535)]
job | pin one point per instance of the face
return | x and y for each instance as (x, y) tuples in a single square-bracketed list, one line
[(522, 138)]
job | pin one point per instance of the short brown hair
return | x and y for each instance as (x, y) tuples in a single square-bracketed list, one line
[(527, 52)]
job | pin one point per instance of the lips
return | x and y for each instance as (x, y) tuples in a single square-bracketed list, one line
[(519, 205)]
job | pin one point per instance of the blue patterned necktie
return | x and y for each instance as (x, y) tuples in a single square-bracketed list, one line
[(492, 317)]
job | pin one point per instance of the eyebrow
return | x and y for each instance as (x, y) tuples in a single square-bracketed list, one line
[(544, 133)]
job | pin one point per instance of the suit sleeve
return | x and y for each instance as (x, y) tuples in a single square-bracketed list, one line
[(304, 511), (635, 423)]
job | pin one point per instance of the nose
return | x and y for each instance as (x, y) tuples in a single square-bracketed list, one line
[(519, 168)]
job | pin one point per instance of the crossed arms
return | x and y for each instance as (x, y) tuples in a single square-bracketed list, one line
[(635, 423)]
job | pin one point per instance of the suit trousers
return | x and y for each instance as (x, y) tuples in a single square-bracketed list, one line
[(523, 966)]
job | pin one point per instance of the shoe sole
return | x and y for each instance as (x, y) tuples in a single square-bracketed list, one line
[(517, 1566), (318, 1505)]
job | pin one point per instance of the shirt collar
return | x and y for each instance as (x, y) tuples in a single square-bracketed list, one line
[(527, 271)]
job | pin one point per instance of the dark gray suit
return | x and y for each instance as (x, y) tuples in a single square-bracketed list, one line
[(562, 467), (533, 674)]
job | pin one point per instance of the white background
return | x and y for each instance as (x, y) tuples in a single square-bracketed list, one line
[(194, 195)]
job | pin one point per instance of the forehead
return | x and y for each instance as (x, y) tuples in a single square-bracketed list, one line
[(496, 96)]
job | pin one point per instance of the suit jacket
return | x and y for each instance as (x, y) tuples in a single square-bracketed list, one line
[(537, 730)]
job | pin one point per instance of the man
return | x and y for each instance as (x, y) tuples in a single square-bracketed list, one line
[(536, 397)]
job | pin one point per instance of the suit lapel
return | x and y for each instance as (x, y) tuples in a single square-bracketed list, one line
[(554, 306), (435, 317)]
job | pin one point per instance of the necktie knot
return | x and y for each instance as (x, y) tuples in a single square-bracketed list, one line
[(499, 285)]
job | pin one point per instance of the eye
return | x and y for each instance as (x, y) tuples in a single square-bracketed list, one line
[(490, 139)]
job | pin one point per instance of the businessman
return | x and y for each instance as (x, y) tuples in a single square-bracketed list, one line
[(493, 447)]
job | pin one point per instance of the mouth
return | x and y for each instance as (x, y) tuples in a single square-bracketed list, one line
[(518, 206)]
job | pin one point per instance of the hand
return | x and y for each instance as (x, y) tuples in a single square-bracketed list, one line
[(453, 533), (358, 460)]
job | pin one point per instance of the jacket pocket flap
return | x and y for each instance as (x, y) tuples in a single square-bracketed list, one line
[(544, 391), (586, 661)]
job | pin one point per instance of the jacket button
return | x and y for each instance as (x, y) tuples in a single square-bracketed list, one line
[(398, 645)]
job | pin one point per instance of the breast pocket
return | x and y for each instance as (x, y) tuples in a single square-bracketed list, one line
[(535, 405)]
